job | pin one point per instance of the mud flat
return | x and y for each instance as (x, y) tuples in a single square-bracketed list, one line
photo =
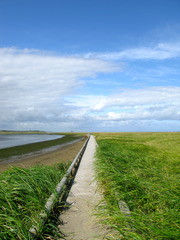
[(49, 156)]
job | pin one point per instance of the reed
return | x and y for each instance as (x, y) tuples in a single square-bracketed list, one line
[(23, 194)]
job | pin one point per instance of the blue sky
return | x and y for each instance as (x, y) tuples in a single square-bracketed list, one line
[(99, 65)]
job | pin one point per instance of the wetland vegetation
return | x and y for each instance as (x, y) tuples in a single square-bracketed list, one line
[(23, 194), (141, 169)]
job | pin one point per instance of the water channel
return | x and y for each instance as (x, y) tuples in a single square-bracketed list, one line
[(12, 140)]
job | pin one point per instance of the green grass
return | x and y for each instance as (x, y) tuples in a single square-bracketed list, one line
[(141, 169), (23, 194), (28, 148)]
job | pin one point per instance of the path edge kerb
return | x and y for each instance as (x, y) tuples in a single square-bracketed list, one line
[(36, 231)]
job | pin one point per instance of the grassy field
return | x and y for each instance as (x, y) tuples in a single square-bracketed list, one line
[(28, 148), (142, 170), (23, 194)]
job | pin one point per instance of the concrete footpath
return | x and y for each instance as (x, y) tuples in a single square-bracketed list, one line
[(79, 222)]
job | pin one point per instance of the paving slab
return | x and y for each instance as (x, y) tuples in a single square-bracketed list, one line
[(79, 221)]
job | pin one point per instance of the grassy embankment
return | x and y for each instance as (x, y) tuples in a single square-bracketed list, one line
[(141, 169), (28, 148), (24, 192)]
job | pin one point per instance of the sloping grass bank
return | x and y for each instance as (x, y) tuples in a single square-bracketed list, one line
[(33, 147), (141, 169), (23, 194)]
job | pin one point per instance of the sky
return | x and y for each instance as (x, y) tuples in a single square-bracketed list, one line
[(90, 65)]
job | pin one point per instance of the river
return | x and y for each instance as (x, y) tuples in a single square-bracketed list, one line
[(12, 140)]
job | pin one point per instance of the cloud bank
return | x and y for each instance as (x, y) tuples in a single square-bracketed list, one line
[(153, 103), (40, 90), (33, 85)]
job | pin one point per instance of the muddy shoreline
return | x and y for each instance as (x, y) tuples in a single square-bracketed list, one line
[(49, 156)]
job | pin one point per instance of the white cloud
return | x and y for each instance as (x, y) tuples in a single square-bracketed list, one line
[(41, 91), (34, 84), (165, 113), (153, 103), (159, 52), (134, 97)]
